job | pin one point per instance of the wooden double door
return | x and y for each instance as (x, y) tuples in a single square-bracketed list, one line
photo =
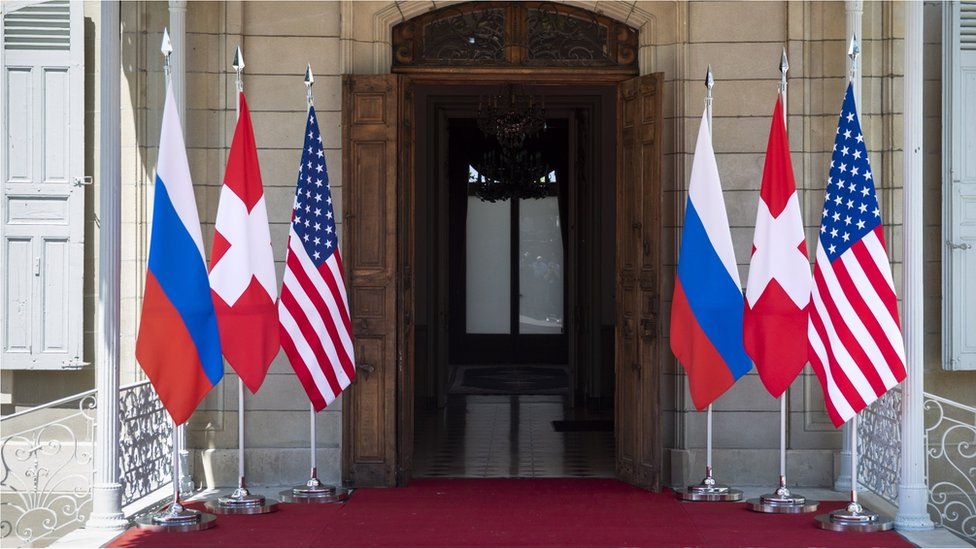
[(380, 213)]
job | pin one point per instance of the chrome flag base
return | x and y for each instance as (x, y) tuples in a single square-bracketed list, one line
[(782, 501), (760, 506), (313, 491), (709, 490), (242, 502), (176, 518), (854, 518)]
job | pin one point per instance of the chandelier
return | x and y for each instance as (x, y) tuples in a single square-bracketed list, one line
[(511, 116), (509, 171)]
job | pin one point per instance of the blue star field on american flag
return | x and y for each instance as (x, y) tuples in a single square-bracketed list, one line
[(850, 205), (312, 217)]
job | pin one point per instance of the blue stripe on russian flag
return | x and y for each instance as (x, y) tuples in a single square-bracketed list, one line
[(175, 261), (713, 296)]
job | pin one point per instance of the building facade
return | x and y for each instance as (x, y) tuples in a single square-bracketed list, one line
[(349, 46)]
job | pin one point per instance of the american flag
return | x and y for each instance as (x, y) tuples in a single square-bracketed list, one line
[(313, 309), (856, 346)]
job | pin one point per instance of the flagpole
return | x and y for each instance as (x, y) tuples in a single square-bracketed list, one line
[(241, 501), (709, 84), (175, 507), (854, 517), (708, 489), (309, 102), (167, 49), (314, 490), (241, 490), (782, 500), (313, 475), (240, 433), (708, 445), (853, 430), (175, 517), (853, 508), (784, 66), (311, 438)]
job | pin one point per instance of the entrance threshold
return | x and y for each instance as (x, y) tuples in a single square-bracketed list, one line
[(513, 436)]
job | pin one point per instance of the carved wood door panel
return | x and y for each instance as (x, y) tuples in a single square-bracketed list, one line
[(637, 339), (370, 158)]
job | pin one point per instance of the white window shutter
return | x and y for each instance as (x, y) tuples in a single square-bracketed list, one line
[(959, 186), (42, 203)]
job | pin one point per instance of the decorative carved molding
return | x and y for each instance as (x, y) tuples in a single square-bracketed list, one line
[(514, 34), (393, 13)]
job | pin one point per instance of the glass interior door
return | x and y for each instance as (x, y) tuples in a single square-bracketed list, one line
[(540, 264), (488, 244)]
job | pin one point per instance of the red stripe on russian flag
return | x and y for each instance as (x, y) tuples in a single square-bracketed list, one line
[(168, 354)]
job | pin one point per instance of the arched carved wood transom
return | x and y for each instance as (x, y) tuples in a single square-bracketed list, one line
[(514, 34)]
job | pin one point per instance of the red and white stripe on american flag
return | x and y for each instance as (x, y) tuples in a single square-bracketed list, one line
[(855, 337), (313, 309), (316, 332)]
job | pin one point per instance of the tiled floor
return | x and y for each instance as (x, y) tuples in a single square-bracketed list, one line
[(509, 436)]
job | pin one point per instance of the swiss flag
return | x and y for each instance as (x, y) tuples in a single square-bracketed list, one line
[(242, 273), (778, 291)]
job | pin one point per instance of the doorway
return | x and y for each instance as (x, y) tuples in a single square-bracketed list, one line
[(506, 257), (514, 301), (401, 316)]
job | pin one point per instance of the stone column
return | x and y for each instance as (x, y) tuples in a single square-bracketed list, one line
[(177, 60), (912, 490), (177, 63), (106, 490), (853, 10)]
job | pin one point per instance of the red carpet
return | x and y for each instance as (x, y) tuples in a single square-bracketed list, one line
[(514, 513)]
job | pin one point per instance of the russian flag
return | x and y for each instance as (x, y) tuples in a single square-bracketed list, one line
[(178, 345), (706, 311)]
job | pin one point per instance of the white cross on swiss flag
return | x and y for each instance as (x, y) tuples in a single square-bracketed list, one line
[(778, 291), (242, 273)]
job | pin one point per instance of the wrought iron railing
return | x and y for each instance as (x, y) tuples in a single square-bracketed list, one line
[(46, 453), (146, 442), (45, 491), (879, 446), (950, 465)]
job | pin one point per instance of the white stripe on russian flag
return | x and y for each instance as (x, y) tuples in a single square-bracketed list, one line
[(705, 192), (173, 169)]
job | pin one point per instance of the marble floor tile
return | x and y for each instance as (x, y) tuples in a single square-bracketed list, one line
[(509, 436)]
